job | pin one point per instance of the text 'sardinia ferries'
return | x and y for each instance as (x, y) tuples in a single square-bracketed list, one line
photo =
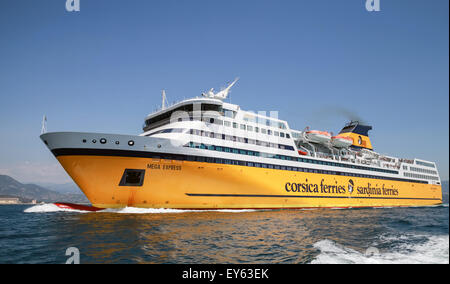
[(205, 153)]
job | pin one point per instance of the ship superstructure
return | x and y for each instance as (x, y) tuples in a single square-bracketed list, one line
[(207, 153)]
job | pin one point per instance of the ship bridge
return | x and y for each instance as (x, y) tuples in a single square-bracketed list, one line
[(207, 107), (191, 109)]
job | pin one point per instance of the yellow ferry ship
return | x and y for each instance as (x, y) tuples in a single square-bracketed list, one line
[(205, 153)]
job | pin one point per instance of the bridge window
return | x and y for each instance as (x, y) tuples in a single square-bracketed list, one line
[(229, 113)]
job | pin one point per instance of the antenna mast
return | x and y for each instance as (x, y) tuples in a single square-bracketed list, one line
[(44, 124), (163, 100)]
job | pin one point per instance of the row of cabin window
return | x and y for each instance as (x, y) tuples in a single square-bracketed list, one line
[(238, 151), (426, 171), (243, 127), (255, 119), (240, 139), (425, 164), (225, 137), (288, 168), (256, 129), (282, 157), (420, 176)]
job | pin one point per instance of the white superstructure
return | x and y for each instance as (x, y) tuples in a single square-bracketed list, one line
[(215, 129)]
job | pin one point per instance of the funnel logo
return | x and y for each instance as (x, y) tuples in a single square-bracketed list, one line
[(350, 186), (73, 5), (373, 5)]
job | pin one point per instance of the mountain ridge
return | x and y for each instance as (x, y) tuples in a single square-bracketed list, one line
[(11, 187)]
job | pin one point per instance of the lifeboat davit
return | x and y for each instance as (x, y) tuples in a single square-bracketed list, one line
[(341, 141), (322, 137)]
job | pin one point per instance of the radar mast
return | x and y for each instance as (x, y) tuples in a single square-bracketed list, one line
[(221, 95)]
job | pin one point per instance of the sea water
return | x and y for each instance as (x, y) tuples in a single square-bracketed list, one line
[(43, 233)]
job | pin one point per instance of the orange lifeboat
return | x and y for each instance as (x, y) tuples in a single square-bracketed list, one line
[(322, 137), (302, 153), (341, 141)]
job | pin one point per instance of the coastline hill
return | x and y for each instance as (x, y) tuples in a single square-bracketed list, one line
[(27, 192)]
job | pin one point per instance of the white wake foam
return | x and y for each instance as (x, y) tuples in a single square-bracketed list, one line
[(434, 250), (50, 207)]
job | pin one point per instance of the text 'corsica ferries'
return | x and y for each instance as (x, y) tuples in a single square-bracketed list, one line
[(204, 153)]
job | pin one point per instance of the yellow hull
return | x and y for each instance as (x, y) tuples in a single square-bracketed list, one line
[(188, 185)]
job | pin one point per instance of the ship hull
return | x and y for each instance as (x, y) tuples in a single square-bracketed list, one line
[(201, 185), (171, 176)]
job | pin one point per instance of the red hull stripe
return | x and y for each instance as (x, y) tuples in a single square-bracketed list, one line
[(77, 207)]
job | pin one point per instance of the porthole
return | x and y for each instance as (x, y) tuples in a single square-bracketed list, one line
[(130, 143), (84, 140), (103, 141), (94, 141), (117, 142)]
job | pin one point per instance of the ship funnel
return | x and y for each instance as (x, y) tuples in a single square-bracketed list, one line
[(359, 134)]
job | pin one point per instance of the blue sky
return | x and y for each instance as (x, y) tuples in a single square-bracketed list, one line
[(102, 69)]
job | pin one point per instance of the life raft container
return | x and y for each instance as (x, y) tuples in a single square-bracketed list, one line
[(341, 141), (322, 137)]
